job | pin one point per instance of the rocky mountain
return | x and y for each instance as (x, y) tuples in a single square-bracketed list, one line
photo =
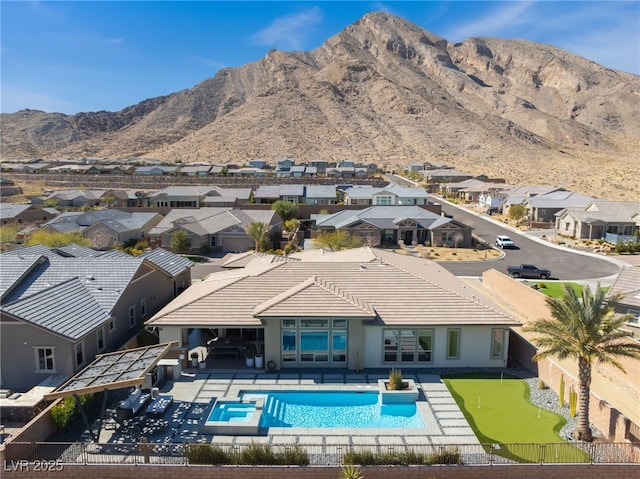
[(385, 91)]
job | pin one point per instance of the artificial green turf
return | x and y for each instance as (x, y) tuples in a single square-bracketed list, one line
[(499, 412), (556, 289)]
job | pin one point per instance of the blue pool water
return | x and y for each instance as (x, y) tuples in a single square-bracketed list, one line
[(321, 409), (232, 412)]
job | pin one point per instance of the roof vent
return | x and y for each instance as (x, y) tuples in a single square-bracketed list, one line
[(362, 266), (90, 277)]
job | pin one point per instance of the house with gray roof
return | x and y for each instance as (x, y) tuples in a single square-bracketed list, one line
[(387, 225), (543, 208), (297, 193), (11, 213), (196, 196), (613, 221), (59, 308), (215, 229), (106, 228), (390, 195), (73, 198), (354, 309)]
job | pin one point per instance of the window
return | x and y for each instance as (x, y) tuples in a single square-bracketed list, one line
[(314, 341), (100, 339), (447, 237), (112, 325), (143, 308), (425, 346), (383, 200), (497, 343), (45, 360), (627, 230), (79, 354), (132, 316), (613, 229), (453, 343), (635, 316), (213, 242), (407, 345)]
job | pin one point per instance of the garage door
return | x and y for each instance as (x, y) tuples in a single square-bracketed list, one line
[(235, 245)]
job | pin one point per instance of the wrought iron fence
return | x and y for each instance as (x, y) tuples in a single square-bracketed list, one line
[(328, 455)]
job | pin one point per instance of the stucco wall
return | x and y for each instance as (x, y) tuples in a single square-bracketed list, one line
[(523, 471), (615, 395)]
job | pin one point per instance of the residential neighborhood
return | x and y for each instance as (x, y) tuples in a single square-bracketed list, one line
[(231, 303)]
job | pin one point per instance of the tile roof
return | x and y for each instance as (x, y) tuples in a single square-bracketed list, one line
[(172, 263), (59, 307), (400, 290), (628, 284)]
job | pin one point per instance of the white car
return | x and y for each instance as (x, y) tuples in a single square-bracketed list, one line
[(503, 241)]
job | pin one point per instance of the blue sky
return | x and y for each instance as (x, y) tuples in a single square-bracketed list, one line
[(89, 56)]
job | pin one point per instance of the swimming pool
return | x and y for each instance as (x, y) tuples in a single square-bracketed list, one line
[(333, 409), (232, 412)]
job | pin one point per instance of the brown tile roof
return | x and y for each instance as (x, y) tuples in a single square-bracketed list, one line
[(395, 289)]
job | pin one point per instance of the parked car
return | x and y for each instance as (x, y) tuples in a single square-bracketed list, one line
[(528, 271), (503, 241)]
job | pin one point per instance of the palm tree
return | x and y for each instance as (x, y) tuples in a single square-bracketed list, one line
[(259, 234), (587, 329)]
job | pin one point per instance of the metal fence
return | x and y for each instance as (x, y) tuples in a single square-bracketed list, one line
[(327, 455)]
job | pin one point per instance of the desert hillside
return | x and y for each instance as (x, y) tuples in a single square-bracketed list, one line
[(385, 91)]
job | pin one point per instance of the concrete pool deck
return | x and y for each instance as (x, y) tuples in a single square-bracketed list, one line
[(444, 422)]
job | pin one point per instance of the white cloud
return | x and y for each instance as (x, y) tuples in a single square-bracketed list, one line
[(289, 31), (493, 23)]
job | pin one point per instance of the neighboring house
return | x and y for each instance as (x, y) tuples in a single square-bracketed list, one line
[(518, 195), (321, 195), (298, 194), (156, 170), (543, 208), (353, 309), (628, 285), (195, 170), (268, 194), (73, 198), (390, 195), (613, 221), (25, 214), (58, 311), (493, 198), (283, 167), (257, 163), (447, 175), (387, 225), (197, 196), (249, 172), (106, 228), (215, 229)]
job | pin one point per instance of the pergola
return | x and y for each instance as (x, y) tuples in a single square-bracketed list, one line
[(118, 370)]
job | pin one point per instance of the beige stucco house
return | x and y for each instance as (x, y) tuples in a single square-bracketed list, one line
[(355, 309)]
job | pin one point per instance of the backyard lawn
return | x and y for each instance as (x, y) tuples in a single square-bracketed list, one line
[(499, 412), (556, 289)]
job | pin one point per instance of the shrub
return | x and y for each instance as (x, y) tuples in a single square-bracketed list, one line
[(541, 286), (445, 456), (351, 472), (66, 411), (206, 454), (258, 454), (395, 379), (542, 384), (294, 456)]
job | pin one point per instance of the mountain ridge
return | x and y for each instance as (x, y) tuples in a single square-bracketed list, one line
[(384, 91)]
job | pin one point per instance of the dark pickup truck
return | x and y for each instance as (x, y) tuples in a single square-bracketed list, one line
[(528, 271)]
